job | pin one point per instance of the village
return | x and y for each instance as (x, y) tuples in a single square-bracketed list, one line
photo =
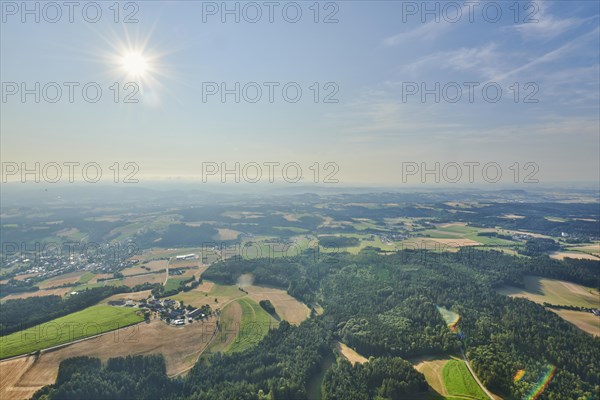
[(170, 311)]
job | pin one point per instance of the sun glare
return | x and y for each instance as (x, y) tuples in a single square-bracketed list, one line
[(135, 64)]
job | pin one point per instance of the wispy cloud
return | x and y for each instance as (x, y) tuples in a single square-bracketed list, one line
[(542, 25), (557, 54), (485, 61), (428, 31)]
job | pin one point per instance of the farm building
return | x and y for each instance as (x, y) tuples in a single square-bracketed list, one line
[(169, 303), (197, 313)]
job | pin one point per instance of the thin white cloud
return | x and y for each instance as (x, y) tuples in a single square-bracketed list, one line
[(483, 60), (427, 31), (559, 53), (542, 25)]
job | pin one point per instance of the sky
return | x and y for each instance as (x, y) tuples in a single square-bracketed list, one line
[(393, 95)]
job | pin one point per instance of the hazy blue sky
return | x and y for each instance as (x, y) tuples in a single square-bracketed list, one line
[(372, 54)]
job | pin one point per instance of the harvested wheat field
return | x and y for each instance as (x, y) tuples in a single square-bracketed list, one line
[(70, 278), (591, 248), (195, 263), (205, 286), (152, 266), (11, 372), (38, 293), (561, 255), (553, 291), (25, 276), (585, 321), (431, 367), (456, 242), (287, 307), (180, 346), (200, 296), (449, 224), (128, 296), (349, 354), (132, 281)]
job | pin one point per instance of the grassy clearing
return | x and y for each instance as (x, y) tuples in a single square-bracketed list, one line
[(88, 322), (254, 325), (349, 354), (173, 283), (85, 278), (459, 381)]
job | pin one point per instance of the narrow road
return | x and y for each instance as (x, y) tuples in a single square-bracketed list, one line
[(167, 277), (490, 395)]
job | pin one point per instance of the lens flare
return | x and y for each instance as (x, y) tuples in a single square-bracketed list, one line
[(519, 375), (542, 383)]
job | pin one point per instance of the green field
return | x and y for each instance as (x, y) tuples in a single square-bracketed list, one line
[(249, 327), (467, 232), (365, 240), (460, 383), (88, 322), (254, 326), (173, 283), (85, 278), (361, 224)]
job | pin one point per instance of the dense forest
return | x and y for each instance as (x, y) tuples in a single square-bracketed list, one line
[(382, 378), (335, 242), (385, 307)]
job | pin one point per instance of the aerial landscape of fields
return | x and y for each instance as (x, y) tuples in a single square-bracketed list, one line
[(328, 289), (300, 200)]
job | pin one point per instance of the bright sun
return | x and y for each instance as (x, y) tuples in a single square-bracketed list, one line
[(135, 64)]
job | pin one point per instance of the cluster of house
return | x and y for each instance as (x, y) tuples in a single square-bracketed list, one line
[(169, 310), (122, 303), (50, 263), (172, 312)]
